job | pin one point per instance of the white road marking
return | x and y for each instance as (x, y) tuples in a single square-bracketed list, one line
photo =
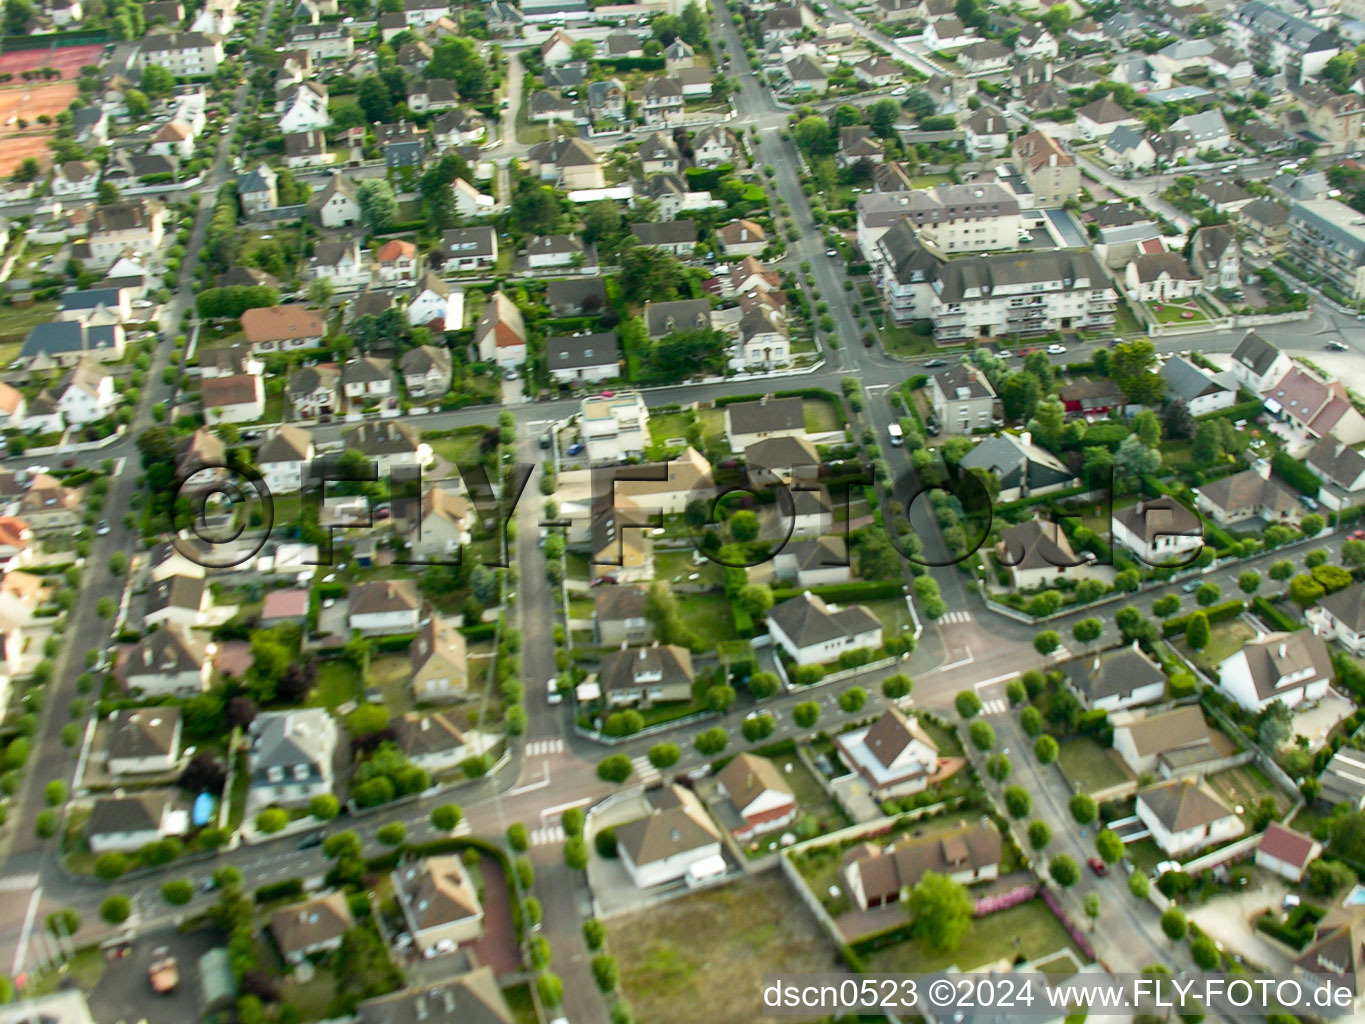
[(957, 664), (646, 771), (994, 707), (21, 951), (561, 808), (541, 748), (11, 883), (531, 786), (956, 616), (547, 834)]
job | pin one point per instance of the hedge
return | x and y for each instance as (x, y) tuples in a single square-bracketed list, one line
[(867, 590), (393, 644), (282, 889), (1216, 613), (483, 631), (1240, 411), (1274, 616), (1295, 473)]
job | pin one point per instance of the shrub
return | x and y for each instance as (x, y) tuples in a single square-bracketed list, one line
[(116, 909), (615, 768), (1019, 802)]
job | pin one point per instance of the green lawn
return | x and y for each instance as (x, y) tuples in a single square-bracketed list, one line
[(16, 322), (519, 1002), (677, 566), (314, 996), (821, 416), (1125, 323), (1089, 766), (947, 742), (902, 341), (812, 799), (1225, 640), (454, 450), (1144, 854), (391, 673), (85, 969), (338, 682), (1173, 314), (708, 616), (1028, 930), (663, 426), (892, 613)]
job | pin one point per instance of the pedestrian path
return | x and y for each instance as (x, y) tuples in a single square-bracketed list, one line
[(644, 771), (18, 883), (994, 707), (540, 748), (547, 835), (957, 617)]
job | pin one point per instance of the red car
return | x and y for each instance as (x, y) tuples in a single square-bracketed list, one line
[(1098, 866), (1358, 535)]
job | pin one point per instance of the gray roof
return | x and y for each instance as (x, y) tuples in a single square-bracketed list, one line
[(1125, 138), (282, 739), (671, 232), (65, 337), (1335, 462), (1113, 673), (572, 352), (1348, 606), (1078, 271), (465, 242), (574, 291), (663, 318), (186, 592), (141, 813), (90, 298), (1255, 353), (1161, 517), (1181, 804), (956, 379), (1015, 463), (1187, 382), (143, 732), (472, 998), (807, 620), (1272, 657), (1266, 212), (765, 416), (382, 437)]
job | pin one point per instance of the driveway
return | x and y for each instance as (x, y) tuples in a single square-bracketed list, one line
[(124, 993), (1227, 920)]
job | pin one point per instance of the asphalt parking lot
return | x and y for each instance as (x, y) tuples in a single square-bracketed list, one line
[(124, 994)]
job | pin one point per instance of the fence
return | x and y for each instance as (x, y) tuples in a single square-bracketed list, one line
[(1077, 936), (1222, 855)]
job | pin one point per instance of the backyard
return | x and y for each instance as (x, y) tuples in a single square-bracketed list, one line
[(1029, 930), (1225, 640), (1246, 786), (704, 956), (1088, 766)]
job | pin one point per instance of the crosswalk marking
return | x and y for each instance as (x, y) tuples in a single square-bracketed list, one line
[(539, 748), (1061, 653), (545, 835), (15, 883), (994, 707), (956, 616), (645, 771)]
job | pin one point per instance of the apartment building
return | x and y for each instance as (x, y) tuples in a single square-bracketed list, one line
[(951, 218), (1022, 295), (1328, 237)]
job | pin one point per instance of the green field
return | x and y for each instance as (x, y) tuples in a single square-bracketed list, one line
[(1089, 766)]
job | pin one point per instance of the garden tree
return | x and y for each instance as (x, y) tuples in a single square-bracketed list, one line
[(458, 59), (271, 820), (940, 911), (177, 892), (982, 735), (446, 817), (1091, 906), (756, 598), (882, 117), (664, 755), (1087, 631), (757, 728), (107, 193), (536, 209), (718, 698), (341, 845), (392, 834), (156, 82), (1208, 444), (1353, 553), (1109, 846), (1018, 802), (324, 807), (1046, 642), (1204, 953), (1280, 570), (1174, 924), (710, 742), (998, 767), (1019, 395), (896, 687), (378, 204), (483, 584), (116, 909), (1249, 581), (1047, 422), (805, 714), (1327, 877), (1039, 834), (1346, 835), (814, 136), (1207, 594), (594, 933), (968, 704), (877, 558), (373, 98), (66, 922), (1132, 367), (1031, 721), (852, 699), (648, 272), (363, 966), (1083, 808), (605, 972), (744, 526), (1166, 606), (614, 768), (845, 116), (1197, 631), (1134, 459), (1304, 590), (1275, 724), (550, 989), (139, 106), (1045, 749), (1064, 871), (1138, 884), (1177, 421)]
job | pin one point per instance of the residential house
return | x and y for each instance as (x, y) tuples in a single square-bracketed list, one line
[(1186, 815), (967, 853), (167, 662), (715, 146), (1343, 780), (469, 201), (285, 606), (1247, 495), (1161, 532), (1130, 149), (457, 127), (1287, 667), (558, 251), (432, 94), (130, 224), (645, 676), (557, 49), (283, 328), (1035, 553), (85, 393), (1098, 119), (327, 41), (621, 550), (987, 57), (763, 341), (947, 34), (1167, 743), (1201, 390), (585, 358), (620, 616), (177, 601), (986, 132), (309, 149), (1122, 677), (420, 13), (1334, 118), (257, 191), (183, 54), (812, 563), (747, 423), (894, 756), (1315, 407), (741, 238), (336, 204), (473, 248), (389, 445), (1285, 852), (664, 318), (1035, 43), (317, 925), (340, 262), (961, 399), (806, 76), (813, 632), (1023, 468), (677, 840), (439, 902), (758, 798), (614, 427), (384, 607), (569, 164), (434, 742), (75, 178), (877, 72), (291, 755), (172, 139), (500, 334), (303, 108), (236, 399), (1257, 364), (1050, 172), (143, 741), (397, 262), (367, 380), (125, 824), (1224, 196), (1342, 471), (439, 661), (426, 371), (857, 144), (445, 523), (1208, 130), (314, 391), (1217, 258), (575, 296), (1091, 399), (436, 304), (678, 237), (1160, 277)]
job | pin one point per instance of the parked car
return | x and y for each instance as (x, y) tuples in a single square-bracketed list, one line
[(931, 363), (1056, 350), (1191, 586), (1335, 346), (102, 528), (1358, 535), (575, 449), (311, 840), (1308, 503), (1098, 866)]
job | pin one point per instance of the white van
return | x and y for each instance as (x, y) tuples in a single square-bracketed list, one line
[(897, 435)]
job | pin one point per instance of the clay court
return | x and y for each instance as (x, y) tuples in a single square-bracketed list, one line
[(29, 100)]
